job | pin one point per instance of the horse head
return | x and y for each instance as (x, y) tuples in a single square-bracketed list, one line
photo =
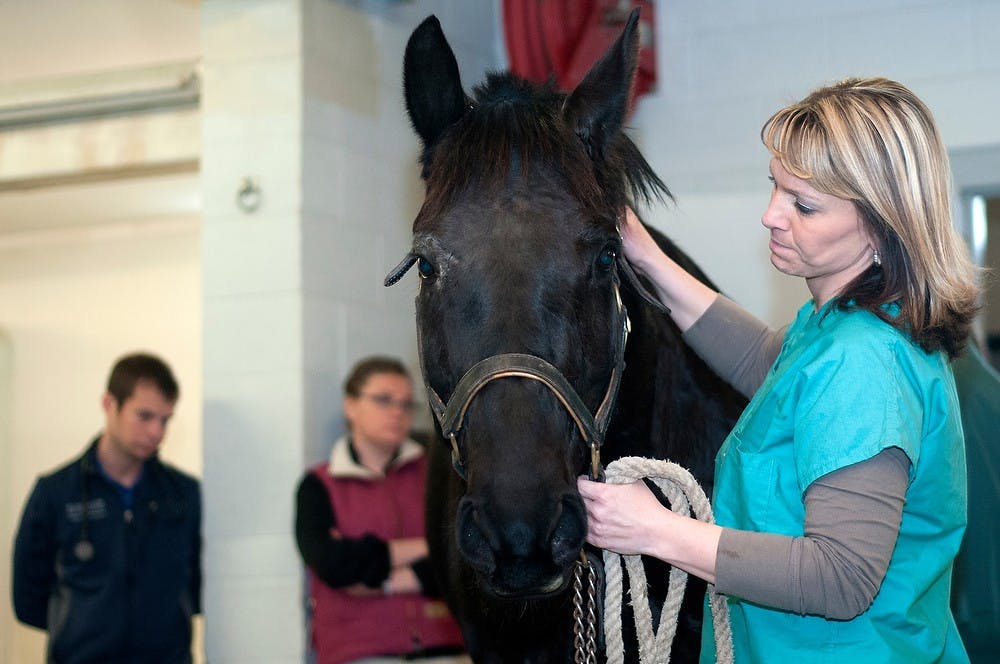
[(520, 322)]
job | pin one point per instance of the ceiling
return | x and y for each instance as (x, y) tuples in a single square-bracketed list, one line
[(55, 38), (83, 38)]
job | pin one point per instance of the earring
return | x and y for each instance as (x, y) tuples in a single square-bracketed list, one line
[(876, 258)]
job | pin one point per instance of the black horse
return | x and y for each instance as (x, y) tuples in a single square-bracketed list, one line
[(521, 340)]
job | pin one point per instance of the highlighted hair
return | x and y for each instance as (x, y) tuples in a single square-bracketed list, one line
[(873, 142)]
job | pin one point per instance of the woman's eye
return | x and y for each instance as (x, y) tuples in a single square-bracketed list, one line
[(803, 209), (425, 268), (606, 259)]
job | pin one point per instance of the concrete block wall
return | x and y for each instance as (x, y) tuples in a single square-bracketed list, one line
[(724, 67), (252, 328), (303, 96)]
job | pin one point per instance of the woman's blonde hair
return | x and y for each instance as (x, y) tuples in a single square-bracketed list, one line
[(873, 142)]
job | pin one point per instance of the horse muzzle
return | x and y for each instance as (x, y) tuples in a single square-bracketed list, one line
[(518, 553)]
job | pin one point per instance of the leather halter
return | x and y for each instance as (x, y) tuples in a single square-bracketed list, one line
[(592, 427)]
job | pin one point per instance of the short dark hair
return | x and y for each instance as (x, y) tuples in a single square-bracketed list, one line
[(139, 367), (369, 366)]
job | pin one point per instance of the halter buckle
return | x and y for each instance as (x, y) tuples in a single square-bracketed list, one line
[(456, 456), (595, 462)]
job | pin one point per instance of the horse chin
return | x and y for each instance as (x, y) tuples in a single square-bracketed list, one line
[(549, 588)]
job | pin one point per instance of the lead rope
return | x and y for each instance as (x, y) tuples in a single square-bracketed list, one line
[(684, 494)]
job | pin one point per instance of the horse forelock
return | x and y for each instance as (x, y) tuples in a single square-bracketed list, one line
[(515, 129)]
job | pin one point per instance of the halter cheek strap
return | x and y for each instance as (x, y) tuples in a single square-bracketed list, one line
[(633, 279)]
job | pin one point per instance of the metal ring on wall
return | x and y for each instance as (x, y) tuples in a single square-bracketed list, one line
[(249, 195)]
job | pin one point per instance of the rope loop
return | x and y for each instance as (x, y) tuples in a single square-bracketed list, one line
[(685, 496)]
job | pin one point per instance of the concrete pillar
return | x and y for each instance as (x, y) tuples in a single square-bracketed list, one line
[(303, 97)]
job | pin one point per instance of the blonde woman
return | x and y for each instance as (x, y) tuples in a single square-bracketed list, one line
[(840, 495)]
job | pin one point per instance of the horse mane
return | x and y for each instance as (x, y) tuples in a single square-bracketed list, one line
[(515, 128)]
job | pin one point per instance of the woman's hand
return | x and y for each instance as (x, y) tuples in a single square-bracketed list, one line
[(628, 519), (402, 580), (686, 297), (406, 550), (620, 516), (639, 246)]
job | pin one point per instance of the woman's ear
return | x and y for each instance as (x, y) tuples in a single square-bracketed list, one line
[(873, 243), (350, 408), (867, 219)]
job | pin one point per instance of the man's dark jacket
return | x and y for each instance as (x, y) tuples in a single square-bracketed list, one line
[(132, 601)]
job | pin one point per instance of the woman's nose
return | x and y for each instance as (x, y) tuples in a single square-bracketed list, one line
[(772, 219)]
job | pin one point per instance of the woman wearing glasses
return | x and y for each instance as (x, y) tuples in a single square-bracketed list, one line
[(359, 527)]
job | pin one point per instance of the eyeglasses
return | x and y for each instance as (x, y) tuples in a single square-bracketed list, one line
[(386, 402)]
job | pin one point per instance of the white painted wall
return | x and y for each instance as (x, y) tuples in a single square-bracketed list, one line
[(724, 67), (71, 302), (6, 480), (88, 271)]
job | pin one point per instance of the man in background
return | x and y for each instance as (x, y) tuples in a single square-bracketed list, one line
[(107, 557)]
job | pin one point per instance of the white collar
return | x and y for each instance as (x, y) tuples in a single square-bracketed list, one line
[(343, 464)]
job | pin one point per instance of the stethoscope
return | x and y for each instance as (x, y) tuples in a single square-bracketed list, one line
[(84, 549)]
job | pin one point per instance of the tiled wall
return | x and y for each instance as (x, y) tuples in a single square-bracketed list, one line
[(293, 292), (724, 67)]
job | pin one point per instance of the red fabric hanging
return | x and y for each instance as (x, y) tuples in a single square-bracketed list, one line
[(564, 38)]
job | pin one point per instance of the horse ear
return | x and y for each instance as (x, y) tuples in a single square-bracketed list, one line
[(431, 83), (597, 107)]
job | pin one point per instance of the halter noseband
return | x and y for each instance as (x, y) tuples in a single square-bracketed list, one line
[(592, 427)]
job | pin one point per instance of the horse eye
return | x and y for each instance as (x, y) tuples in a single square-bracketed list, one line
[(425, 268), (606, 259)]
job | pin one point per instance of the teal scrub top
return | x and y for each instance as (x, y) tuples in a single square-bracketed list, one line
[(845, 386)]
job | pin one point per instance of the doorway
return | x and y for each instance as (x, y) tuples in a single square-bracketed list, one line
[(984, 214), (6, 509), (976, 178)]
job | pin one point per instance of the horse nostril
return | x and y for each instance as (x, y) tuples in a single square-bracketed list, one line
[(472, 541), (569, 532)]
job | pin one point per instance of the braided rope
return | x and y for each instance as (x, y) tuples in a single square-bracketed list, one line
[(685, 495)]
